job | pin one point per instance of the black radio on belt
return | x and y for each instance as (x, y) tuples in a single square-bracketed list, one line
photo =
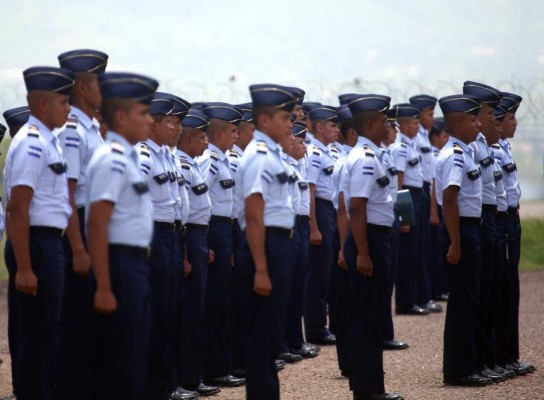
[(497, 175), (140, 187), (474, 174), (282, 177), (328, 170), (383, 181), (200, 189), (227, 183), (486, 162), (58, 168), (413, 162), (425, 150), (393, 171), (511, 167), (161, 178), (303, 185)]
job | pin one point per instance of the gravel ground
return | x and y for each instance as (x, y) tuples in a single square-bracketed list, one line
[(415, 373)]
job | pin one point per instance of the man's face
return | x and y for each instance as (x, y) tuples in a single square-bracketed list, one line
[(426, 118), (492, 131), (382, 127), (245, 134), (509, 125), (92, 93), (299, 149), (279, 125), (298, 112), (485, 116), (138, 122), (391, 135), (287, 143), (163, 130), (410, 127), (330, 131), (230, 135), (176, 131), (440, 140), (197, 143), (470, 126), (57, 108)]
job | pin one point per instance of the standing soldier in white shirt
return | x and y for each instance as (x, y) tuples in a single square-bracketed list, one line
[(37, 213), (79, 138)]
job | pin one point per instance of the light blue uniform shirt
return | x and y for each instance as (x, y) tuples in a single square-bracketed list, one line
[(35, 160), (485, 159), (114, 175), (299, 167), (455, 166), (387, 160), (423, 146), (79, 138), (177, 184), (321, 166), (157, 176), (262, 171), (292, 183), (510, 173), (215, 167), (406, 159), (364, 176), (200, 206), (234, 156)]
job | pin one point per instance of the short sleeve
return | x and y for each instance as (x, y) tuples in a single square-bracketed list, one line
[(314, 166), (209, 170), (400, 154), (255, 176), (362, 177), (453, 168), (28, 163), (107, 179), (72, 150)]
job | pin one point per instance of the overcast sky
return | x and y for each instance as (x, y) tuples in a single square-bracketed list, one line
[(194, 47)]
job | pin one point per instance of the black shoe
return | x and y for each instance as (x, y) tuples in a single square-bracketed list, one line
[(312, 347), (522, 368), (289, 358), (280, 364), (377, 396), (183, 394), (469, 380), (226, 381), (203, 390), (394, 345), (329, 340), (411, 310), (304, 352), (432, 307), (441, 297), (239, 373), (508, 374), (345, 374), (491, 374)]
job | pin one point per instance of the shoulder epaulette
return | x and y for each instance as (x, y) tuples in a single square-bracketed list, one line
[(214, 155), (262, 147), (316, 151), (33, 131), (145, 150), (185, 166), (334, 149), (233, 154), (368, 151), (457, 149), (117, 147), (496, 146), (403, 144), (71, 122)]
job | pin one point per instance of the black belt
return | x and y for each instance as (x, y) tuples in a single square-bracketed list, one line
[(197, 226), (125, 248), (167, 226), (501, 214), (47, 229), (489, 208), (379, 228), (426, 185), (281, 231), (301, 218), (221, 220), (413, 188), (513, 211), (470, 220)]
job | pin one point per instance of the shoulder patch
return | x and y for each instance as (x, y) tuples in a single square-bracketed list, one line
[(262, 147), (33, 131), (71, 122), (214, 156), (233, 154), (402, 144), (496, 146), (185, 166), (368, 151), (117, 147)]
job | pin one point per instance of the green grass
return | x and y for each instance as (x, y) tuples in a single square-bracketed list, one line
[(532, 246)]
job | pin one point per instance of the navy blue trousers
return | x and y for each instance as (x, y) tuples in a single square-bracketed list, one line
[(368, 295), (319, 273), (460, 330), (439, 284), (190, 342), (162, 278), (267, 315), (423, 274), (121, 340), (217, 355), (72, 382), (301, 238), (410, 249), (35, 329), (388, 328), (486, 334), (502, 310)]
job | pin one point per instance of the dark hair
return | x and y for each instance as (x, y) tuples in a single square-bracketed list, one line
[(260, 110), (109, 108), (362, 118), (345, 126)]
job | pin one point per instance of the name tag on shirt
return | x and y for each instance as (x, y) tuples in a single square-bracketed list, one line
[(227, 183), (413, 162), (282, 177), (393, 171), (161, 178), (200, 189), (383, 181), (293, 178), (140, 187), (486, 162), (509, 167), (497, 175), (425, 150), (474, 174), (58, 168), (328, 170), (303, 185)]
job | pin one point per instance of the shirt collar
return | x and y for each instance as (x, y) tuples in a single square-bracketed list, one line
[(215, 149), (422, 130), (481, 138), (44, 130), (384, 148), (292, 160), (321, 146), (361, 141), (258, 135), (347, 148), (238, 150), (83, 118), (186, 156), (112, 136), (406, 139), (464, 146), (153, 146)]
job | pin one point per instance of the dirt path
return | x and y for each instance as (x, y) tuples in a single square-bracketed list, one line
[(415, 373)]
